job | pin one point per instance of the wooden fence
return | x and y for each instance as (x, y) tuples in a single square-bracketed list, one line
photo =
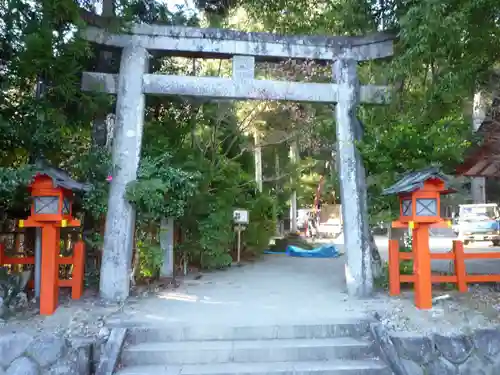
[(457, 255)]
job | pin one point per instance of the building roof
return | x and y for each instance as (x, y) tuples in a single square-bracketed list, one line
[(60, 178), (483, 159), (412, 181)]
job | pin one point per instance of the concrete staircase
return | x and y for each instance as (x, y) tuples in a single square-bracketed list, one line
[(341, 348)]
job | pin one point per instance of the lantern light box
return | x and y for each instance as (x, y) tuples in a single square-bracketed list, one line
[(420, 195)]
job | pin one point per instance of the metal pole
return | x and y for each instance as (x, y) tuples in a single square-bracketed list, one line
[(38, 260), (239, 244)]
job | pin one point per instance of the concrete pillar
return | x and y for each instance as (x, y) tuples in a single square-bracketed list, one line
[(167, 246), (359, 277), (120, 218), (478, 184)]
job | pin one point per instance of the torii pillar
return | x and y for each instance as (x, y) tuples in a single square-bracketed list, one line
[(358, 268)]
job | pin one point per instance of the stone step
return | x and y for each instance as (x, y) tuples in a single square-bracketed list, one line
[(211, 352), (339, 328), (345, 367)]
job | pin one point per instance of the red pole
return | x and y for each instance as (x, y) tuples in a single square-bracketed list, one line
[(422, 267), (394, 276), (458, 252), (78, 270), (49, 292)]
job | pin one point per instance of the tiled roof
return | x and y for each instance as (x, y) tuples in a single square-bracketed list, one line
[(60, 177), (412, 181)]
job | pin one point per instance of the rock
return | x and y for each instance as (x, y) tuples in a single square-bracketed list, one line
[(387, 350), (12, 346), (23, 366), (474, 366), (104, 333), (455, 349), (411, 368), (20, 301), (495, 368), (66, 367), (47, 349), (81, 356), (487, 342), (441, 366), (418, 349)]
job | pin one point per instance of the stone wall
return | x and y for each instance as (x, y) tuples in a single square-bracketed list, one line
[(46, 354), (477, 353)]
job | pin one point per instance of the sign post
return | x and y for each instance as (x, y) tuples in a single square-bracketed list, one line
[(240, 218)]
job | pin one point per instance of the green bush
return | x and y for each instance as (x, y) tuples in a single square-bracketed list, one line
[(405, 268), (262, 224)]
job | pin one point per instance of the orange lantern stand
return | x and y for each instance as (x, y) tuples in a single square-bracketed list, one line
[(420, 201), (51, 210)]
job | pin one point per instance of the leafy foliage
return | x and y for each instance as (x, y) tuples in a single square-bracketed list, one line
[(161, 190)]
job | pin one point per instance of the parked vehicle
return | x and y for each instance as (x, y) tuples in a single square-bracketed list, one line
[(478, 222)]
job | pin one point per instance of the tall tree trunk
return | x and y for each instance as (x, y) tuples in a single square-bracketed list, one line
[(294, 158), (102, 132), (258, 160), (478, 184)]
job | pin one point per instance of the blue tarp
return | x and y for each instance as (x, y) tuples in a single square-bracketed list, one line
[(325, 251)]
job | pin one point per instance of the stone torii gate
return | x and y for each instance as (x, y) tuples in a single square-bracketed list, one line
[(134, 81)]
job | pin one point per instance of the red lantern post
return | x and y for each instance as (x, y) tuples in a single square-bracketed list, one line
[(51, 210), (420, 201)]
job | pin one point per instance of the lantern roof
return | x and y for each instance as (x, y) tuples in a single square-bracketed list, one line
[(59, 177), (412, 181)]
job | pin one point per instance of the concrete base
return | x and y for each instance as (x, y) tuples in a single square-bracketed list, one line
[(341, 348)]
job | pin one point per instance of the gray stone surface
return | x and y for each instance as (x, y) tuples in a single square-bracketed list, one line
[(223, 42), (487, 341), (12, 346), (231, 88), (441, 366), (475, 366), (23, 366), (45, 354), (359, 277), (65, 367), (369, 367), (473, 354), (245, 351), (455, 349), (120, 218), (315, 349), (83, 357), (341, 328), (111, 352), (419, 349), (47, 349)]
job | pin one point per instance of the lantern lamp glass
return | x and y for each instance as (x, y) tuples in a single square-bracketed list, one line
[(426, 207), (46, 205), (406, 207), (66, 206)]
